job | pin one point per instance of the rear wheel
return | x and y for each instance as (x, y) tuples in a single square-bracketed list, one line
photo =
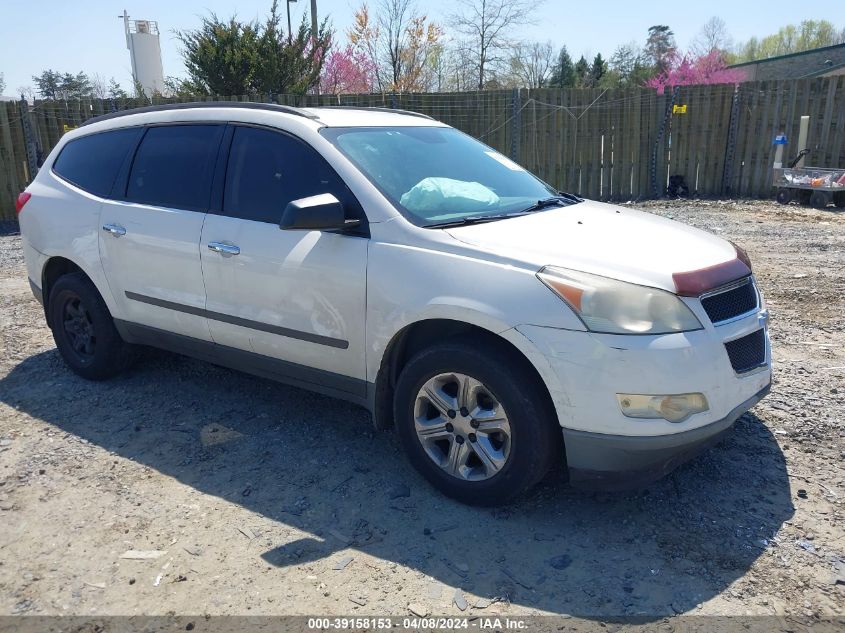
[(84, 330), (475, 423), (839, 199), (784, 196)]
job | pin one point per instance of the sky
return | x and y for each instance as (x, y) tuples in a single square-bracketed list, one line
[(86, 35)]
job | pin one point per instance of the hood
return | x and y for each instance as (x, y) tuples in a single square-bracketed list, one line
[(603, 239)]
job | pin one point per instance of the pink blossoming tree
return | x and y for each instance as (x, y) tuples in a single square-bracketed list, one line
[(686, 71), (347, 71)]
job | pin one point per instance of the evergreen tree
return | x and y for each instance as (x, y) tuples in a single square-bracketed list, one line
[(563, 72), (598, 69), (582, 72)]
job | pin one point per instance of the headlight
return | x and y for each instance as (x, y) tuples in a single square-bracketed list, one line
[(616, 307)]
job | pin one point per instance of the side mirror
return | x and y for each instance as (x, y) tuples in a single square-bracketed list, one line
[(322, 212)]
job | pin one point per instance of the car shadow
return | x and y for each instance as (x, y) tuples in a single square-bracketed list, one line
[(316, 464)]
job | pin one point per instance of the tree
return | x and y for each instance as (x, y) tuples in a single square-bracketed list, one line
[(597, 70), (26, 92), (791, 38), (582, 72), (531, 64), (221, 56), (713, 36), (347, 71), (233, 58), (115, 90), (54, 85), (487, 26), (630, 64), (660, 47), (47, 84), (294, 67), (687, 71), (401, 44), (563, 73), (2, 83), (99, 89), (460, 73)]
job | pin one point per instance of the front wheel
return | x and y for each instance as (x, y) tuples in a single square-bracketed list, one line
[(784, 196), (474, 421)]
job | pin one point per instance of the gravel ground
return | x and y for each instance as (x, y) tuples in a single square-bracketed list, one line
[(258, 498)]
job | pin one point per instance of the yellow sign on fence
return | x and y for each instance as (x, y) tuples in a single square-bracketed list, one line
[(679, 109), (67, 128)]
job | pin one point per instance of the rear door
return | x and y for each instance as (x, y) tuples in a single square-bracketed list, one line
[(297, 296), (149, 242)]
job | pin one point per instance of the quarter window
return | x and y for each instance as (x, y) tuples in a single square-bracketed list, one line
[(268, 169), (174, 166), (92, 162)]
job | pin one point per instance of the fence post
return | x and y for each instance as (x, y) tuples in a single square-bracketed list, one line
[(516, 128), (28, 139), (730, 148)]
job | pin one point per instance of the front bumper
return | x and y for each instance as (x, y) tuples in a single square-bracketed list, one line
[(584, 371), (619, 462)]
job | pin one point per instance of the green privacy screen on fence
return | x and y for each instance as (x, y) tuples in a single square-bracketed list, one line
[(619, 144)]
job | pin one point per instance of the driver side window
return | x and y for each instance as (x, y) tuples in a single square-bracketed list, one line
[(267, 169)]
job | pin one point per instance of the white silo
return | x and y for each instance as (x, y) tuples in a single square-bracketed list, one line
[(145, 52)]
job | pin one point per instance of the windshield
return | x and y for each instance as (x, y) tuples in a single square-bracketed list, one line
[(438, 175)]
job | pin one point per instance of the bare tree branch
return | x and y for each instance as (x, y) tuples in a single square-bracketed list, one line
[(486, 25)]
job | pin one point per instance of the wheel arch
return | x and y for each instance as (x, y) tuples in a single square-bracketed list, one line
[(418, 335), (54, 268)]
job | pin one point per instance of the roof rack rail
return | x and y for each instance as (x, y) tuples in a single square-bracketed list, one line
[(273, 107), (375, 109)]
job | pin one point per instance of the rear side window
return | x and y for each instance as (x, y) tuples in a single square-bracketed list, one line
[(92, 162), (174, 166), (267, 169)]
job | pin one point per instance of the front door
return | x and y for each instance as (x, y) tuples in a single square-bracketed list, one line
[(296, 296), (150, 239)]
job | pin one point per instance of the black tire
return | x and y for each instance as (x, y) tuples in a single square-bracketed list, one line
[(839, 199), (804, 196), (784, 196), (536, 442), (84, 329), (820, 199)]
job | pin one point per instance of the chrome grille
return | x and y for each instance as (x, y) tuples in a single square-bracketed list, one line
[(723, 305)]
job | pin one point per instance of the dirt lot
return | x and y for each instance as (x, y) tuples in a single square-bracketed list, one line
[(263, 499)]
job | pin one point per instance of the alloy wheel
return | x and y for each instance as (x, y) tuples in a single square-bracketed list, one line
[(462, 426)]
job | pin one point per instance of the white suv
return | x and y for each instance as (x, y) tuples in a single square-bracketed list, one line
[(385, 258)]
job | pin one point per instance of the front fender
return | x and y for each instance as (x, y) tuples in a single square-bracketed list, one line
[(406, 285)]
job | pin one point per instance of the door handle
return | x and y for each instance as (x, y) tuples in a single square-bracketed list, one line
[(114, 229), (225, 249)]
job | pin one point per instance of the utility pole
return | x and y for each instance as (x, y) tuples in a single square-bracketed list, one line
[(314, 33), (290, 31)]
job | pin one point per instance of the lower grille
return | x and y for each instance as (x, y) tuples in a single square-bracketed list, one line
[(748, 352), (730, 303)]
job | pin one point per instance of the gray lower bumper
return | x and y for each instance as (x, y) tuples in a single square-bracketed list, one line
[(619, 462), (36, 292)]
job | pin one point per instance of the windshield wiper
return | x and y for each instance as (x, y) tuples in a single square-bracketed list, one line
[(475, 219), (560, 200)]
